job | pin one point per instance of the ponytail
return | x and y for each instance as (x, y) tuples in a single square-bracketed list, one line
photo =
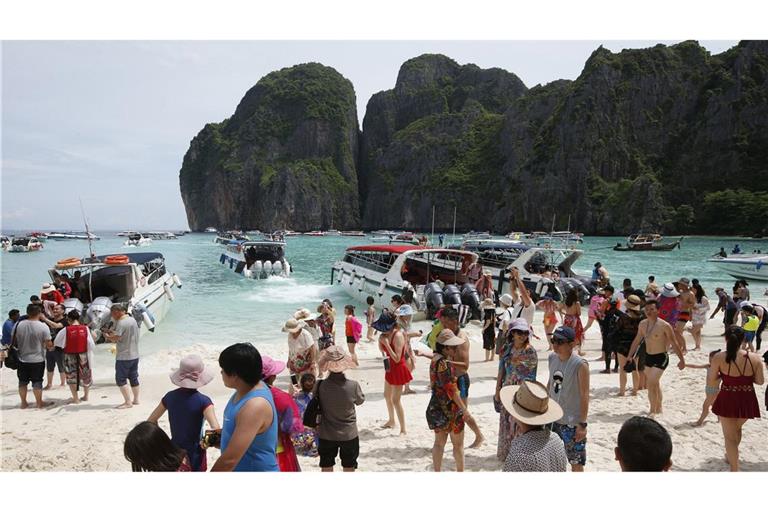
[(734, 337)]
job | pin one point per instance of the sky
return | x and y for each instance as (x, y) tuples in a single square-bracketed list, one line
[(110, 122)]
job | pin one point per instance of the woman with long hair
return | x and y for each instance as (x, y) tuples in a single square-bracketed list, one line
[(572, 311), (739, 370), (148, 448), (397, 374), (517, 363), (699, 317)]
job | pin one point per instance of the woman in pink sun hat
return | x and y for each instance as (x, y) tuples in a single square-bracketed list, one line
[(289, 419)]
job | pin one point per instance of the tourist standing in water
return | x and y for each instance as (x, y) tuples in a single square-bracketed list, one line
[(657, 335), (737, 402)]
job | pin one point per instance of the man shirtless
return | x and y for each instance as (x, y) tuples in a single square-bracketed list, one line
[(449, 317), (657, 334), (686, 302)]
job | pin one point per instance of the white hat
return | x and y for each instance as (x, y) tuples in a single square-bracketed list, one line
[(669, 290), (506, 299), (47, 288), (302, 314)]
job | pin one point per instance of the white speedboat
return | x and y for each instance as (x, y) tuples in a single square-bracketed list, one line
[(230, 236), (315, 233), (744, 266), (434, 277), (160, 235), (127, 233), (140, 281), (72, 235), (352, 233), (5, 242), (25, 244), (258, 259), (539, 266), (137, 240), (40, 235), (211, 230), (396, 238)]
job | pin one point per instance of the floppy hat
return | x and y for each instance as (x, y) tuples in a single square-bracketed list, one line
[(334, 359), (634, 302), (404, 310), (564, 333), (506, 299), (487, 304), (302, 314), (519, 324), (669, 290), (384, 323), (448, 339), (191, 373), (293, 326), (270, 367), (47, 288), (529, 403)]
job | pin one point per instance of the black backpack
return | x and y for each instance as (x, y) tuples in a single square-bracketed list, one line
[(313, 409)]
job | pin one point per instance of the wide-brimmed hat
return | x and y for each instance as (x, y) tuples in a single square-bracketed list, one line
[(448, 339), (669, 290), (506, 299), (293, 326), (519, 324), (334, 359), (47, 288), (302, 314), (191, 373), (487, 304), (634, 303), (385, 322), (404, 310), (270, 367), (529, 403)]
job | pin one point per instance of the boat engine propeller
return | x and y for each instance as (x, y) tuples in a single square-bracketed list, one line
[(98, 315)]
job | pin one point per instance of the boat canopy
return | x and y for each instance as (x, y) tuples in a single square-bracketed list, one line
[(396, 249), (138, 258)]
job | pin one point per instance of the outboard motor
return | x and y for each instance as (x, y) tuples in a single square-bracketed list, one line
[(73, 303), (257, 268), (277, 267), (470, 297), (433, 296), (452, 294), (98, 315), (267, 267)]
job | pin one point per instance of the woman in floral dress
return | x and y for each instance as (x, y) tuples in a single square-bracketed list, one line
[(518, 363)]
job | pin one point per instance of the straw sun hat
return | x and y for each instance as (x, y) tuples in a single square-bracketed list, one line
[(334, 359), (448, 339), (634, 303), (529, 403), (293, 326)]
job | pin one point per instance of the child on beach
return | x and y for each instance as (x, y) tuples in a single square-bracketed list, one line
[(750, 325), (548, 305), (353, 330), (305, 442), (711, 391), (370, 317), (595, 304), (187, 408)]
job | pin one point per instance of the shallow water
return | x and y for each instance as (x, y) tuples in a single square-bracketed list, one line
[(216, 306)]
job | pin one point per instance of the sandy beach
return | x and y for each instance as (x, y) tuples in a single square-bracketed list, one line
[(89, 437)]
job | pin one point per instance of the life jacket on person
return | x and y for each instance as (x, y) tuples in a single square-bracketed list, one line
[(77, 339)]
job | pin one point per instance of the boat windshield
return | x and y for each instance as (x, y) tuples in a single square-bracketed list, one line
[(379, 261), (421, 268)]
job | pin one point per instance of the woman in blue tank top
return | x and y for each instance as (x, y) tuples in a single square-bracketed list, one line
[(249, 432)]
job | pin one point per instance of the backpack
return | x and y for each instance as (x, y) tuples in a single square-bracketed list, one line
[(12, 356), (313, 409)]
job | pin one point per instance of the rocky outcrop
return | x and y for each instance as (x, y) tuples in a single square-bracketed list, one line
[(285, 159), (670, 138)]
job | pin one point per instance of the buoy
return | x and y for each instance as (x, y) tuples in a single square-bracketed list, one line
[(267, 267), (148, 321), (177, 280), (168, 292), (117, 259), (382, 287)]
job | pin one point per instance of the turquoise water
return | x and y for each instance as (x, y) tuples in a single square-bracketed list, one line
[(217, 306)]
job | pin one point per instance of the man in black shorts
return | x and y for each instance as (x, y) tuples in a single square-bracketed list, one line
[(33, 338), (657, 335)]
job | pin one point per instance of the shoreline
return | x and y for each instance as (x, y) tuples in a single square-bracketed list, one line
[(53, 439)]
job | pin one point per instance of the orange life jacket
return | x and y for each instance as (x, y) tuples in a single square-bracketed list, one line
[(77, 339)]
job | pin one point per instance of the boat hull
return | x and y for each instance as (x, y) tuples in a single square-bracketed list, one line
[(363, 284), (755, 269), (155, 299), (642, 248)]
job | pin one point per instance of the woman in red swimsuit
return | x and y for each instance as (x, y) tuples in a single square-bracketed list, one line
[(397, 373), (737, 402)]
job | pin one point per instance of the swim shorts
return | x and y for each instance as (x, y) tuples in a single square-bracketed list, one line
[(575, 451), (749, 336), (660, 361), (683, 316), (351, 340), (31, 372), (347, 450), (127, 371), (462, 382), (76, 367)]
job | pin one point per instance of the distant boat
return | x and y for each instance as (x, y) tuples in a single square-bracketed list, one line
[(73, 235), (333, 232), (25, 244), (211, 230), (39, 235), (314, 233), (257, 260), (137, 240), (352, 233), (127, 233), (743, 266), (160, 235), (647, 242), (6, 242)]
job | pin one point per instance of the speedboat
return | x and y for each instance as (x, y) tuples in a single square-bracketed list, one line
[(137, 240), (314, 233), (333, 232), (72, 235), (542, 269), (258, 259), (396, 238), (39, 235), (352, 233), (5, 242), (476, 235), (25, 244), (127, 233), (743, 266), (160, 235), (433, 277), (211, 230), (140, 281), (647, 242)]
